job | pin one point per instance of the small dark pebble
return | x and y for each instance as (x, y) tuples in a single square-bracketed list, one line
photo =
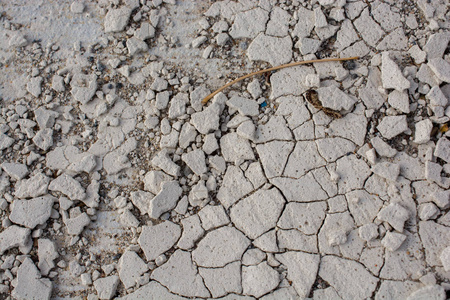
[(101, 67), (349, 65), (119, 85)]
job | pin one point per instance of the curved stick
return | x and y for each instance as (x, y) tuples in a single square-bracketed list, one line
[(207, 98)]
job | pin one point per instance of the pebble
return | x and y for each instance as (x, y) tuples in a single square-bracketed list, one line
[(165, 200), (393, 240), (395, 214), (391, 74), (77, 7), (14, 236), (30, 284), (391, 126), (33, 212), (106, 287), (117, 19)]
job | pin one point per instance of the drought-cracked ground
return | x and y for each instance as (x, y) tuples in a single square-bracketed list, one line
[(325, 181)]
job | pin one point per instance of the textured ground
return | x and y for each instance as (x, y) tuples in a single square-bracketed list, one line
[(324, 181)]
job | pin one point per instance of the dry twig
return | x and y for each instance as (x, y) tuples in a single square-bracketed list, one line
[(207, 98)]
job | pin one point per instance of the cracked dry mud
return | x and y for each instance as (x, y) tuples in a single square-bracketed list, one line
[(116, 182)]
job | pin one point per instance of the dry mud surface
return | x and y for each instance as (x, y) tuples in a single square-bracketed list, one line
[(323, 181)]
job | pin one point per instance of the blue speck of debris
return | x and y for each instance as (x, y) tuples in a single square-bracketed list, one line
[(264, 104)]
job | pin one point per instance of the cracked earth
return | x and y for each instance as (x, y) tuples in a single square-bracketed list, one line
[(117, 183)]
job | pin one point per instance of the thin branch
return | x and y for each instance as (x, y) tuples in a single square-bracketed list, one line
[(207, 98)]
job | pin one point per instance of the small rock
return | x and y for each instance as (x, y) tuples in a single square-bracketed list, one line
[(399, 100), (443, 149), (441, 198), (235, 148), (31, 213), (162, 99), (117, 19), (195, 160), (308, 45), (15, 170), (44, 139), (76, 225), (368, 232), (246, 107), (433, 172), (207, 120), (436, 45), (14, 236), (445, 259), (159, 84), (210, 144), (30, 285), (417, 54), (198, 193), (197, 95), (391, 126), (34, 86), (162, 161), (332, 97), (165, 200), (5, 141), (428, 211), (391, 75), (254, 89), (136, 45), (47, 253), (68, 186), (246, 130), (395, 215), (146, 31), (423, 131), (106, 287), (222, 38), (438, 101), (387, 170), (441, 68), (77, 7), (199, 41), (321, 20), (393, 240)]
